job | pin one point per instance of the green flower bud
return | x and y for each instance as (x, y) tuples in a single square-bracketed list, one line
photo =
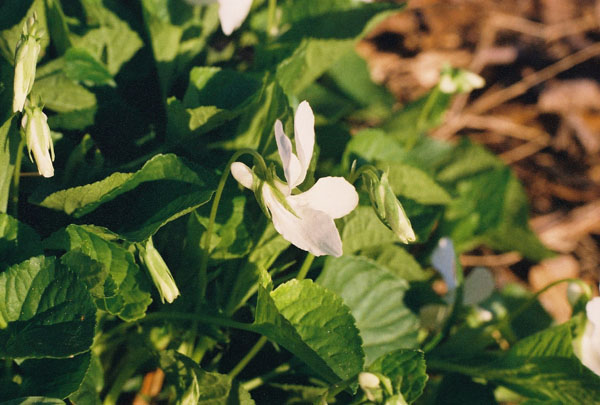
[(39, 141), (26, 55), (159, 272), (388, 208)]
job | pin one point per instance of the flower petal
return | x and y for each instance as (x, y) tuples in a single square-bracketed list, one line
[(291, 165), (443, 260), (232, 14), (243, 174), (304, 136), (590, 342), (332, 195), (313, 231)]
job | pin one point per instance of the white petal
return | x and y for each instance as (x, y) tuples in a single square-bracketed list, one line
[(232, 14), (332, 195), (304, 136), (590, 342), (313, 231), (291, 165), (443, 260), (243, 174)]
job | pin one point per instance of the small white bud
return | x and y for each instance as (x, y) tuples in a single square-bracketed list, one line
[(26, 55), (39, 141)]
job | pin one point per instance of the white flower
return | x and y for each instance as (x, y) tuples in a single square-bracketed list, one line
[(304, 219), (590, 342), (232, 13), (26, 56), (37, 135)]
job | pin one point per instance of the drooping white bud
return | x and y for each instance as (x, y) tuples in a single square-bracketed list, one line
[(39, 141), (26, 55)]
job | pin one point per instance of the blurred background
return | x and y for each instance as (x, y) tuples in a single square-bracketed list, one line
[(539, 112)]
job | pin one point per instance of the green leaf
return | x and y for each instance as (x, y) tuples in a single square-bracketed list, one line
[(34, 401), (543, 366), (310, 60), (9, 145), (406, 370), (213, 97), (341, 19), (108, 269), (492, 208), (313, 324), (397, 261), (164, 189), (177, 35), (44, 311), (89, 391), (351, 75), (113, 42), (264, 252), (255, 128), (18, 242), (196, 386), (467, 159), (57, 26), (375, 297), (410, 124), (81, 66), (411, 182), (362, 230), (53, 377), (58, 92)]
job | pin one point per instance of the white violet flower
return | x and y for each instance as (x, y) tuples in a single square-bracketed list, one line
[(232, 13), (39, 141), (304, 219), (590, 341)]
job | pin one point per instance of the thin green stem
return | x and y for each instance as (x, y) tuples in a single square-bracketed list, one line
[(258, 381), (126, 368), (213, 214), (203, 272), (271, 24), (429, 103), (14, 187), (178, 316), (305, 266), (365, 169), (248, 357), (513, 315)]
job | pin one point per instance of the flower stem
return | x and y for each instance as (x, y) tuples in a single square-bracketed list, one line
[(14, 187), (364, 169), (248, 357), (203, 278), (271, 25), (258, 381), (203, 273), (429, 103), (305, 266)]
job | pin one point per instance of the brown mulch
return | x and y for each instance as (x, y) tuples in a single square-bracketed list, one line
[(539, 111)]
